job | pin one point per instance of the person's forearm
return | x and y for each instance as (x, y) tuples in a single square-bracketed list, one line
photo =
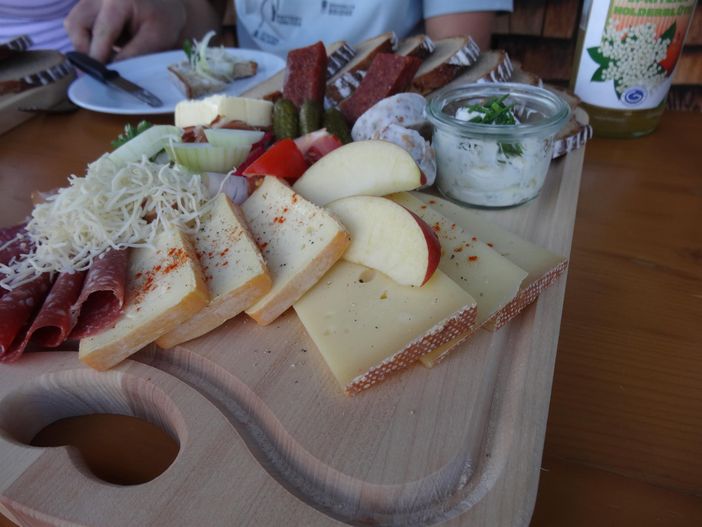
[(477, 24)]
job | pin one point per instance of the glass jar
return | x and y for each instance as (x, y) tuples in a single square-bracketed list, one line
[(625, 60), (495, 165)]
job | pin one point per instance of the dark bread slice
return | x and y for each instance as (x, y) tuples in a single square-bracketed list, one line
[(573, 135), (388, 74), (339, 54), (420, 46), (492, 66), (347, 79), (524, 77), (451, 57)]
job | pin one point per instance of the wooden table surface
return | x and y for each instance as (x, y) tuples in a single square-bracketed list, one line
[(624, 437)]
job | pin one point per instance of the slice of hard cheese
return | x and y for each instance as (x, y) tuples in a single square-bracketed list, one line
[(299, 241), (489, 277), (165, 287), (234, 269), (543, 266), (253, 112), (366, 326)]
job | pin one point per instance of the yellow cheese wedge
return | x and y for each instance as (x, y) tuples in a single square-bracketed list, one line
[(367, 326), (165, 287), (544, 267), (234, 269), (299, 241), (489, 277), (254, 112)]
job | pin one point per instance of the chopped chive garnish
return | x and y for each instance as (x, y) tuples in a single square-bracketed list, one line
[(495, 111)]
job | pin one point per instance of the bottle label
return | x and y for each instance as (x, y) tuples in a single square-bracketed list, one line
[(630, 51)]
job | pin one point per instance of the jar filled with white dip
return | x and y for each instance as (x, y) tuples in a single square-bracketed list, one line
[(494, 142)]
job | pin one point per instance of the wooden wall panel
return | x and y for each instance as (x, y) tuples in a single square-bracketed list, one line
[(561, 18), (527, 17)]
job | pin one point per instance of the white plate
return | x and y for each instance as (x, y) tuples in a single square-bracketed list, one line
[(149, 72)]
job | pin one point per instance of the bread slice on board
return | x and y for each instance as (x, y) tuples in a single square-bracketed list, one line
[(299, 241), (451, 57), (339, 54), (524, 77), (491, 66), (165, 288), (349, 77), (420, 46), (234, 269)]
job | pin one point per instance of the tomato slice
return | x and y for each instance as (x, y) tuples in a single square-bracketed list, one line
[(283, 159)]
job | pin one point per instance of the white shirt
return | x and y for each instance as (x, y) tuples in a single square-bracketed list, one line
[(277, 26), (42, 20)]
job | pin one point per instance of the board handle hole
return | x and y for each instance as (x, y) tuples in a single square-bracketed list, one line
[(126, 429)]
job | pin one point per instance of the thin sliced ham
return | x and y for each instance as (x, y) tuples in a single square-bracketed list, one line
[(100, 302), (11, 244), (17, 309), (55, 319)]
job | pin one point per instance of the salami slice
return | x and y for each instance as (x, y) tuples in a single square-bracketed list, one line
[(102, 297), (306, 74), (388, 74), (12, 245), (55, 319), (17, 307)]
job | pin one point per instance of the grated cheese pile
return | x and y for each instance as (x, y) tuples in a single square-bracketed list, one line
[(113, 206)]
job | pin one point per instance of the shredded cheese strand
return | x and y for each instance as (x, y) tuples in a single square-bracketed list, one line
[(113, 206)]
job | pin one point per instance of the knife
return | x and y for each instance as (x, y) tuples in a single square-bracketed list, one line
[(99, 71)]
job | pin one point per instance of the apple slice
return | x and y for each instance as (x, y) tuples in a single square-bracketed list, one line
[(388, 237), (361, 168)]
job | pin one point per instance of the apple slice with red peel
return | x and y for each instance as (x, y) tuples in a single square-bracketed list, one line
[(361, 168), (388, 237)]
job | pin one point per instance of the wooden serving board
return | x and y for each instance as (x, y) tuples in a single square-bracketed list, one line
[(267, 437)]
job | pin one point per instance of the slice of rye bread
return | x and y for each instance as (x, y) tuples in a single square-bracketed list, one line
[(492, 66), (347, 79), (451, 57), (577, 131), (420, 46), (573, 135), (524, 77), (388, 74), (338, 55)]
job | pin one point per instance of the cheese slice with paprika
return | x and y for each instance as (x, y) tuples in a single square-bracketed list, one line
[(234, 269), (299, 241), (544, 267), (165, 287)]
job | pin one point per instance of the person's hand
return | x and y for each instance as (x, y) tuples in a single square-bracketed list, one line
[(142, 26)]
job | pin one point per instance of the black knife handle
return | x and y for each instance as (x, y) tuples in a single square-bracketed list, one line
[(91, 66)]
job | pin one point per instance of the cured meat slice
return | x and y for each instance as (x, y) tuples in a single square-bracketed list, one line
[(17, 307), (387, 75), (55, 319), (451, 57), (11, 245), (339, 54), (306, 74), (405, 109), (348, 78), (100, 302)]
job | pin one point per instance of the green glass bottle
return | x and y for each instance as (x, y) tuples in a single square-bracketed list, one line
[(625, 59)]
